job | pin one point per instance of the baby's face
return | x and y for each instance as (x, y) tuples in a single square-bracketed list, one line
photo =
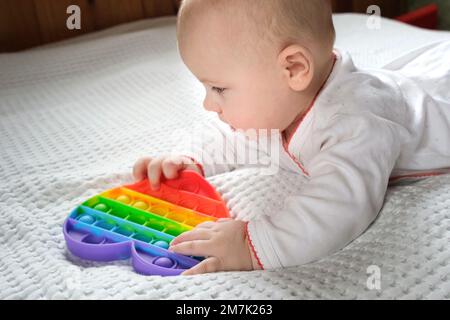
[(246, 90)]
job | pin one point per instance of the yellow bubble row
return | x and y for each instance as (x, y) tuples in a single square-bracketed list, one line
[(157, 206)]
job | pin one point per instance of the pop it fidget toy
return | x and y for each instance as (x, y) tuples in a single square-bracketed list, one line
[(137, 222)]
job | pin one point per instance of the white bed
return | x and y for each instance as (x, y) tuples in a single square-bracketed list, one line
[(76, 115)]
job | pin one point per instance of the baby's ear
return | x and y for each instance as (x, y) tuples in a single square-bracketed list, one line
[(297, 65)]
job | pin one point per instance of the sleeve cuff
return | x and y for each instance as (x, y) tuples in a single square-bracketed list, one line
[(261, 246), (198, 164), (206, 170)]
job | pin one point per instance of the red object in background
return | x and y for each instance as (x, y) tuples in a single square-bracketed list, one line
[(425, 17)]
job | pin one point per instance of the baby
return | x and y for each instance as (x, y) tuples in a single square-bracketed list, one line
[(272, 65)]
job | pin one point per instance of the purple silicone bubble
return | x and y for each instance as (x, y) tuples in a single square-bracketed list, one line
[(163, 262), (82, 243), (95, 252), (144, 266)]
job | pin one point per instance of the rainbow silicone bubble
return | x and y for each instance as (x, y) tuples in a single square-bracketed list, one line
[(136, 222)]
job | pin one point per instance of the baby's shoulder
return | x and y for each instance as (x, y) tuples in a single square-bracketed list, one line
[(359, 93)]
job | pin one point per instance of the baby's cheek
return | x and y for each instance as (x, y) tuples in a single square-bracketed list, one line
[(247, 119)]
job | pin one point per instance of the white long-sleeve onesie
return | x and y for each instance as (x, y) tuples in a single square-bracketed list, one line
[(365, 127)]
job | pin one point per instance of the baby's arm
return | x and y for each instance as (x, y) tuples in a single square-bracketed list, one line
[(345, 191), (212, 146), (347, 182)]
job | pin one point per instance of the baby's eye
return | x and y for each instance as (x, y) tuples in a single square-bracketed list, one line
[(218, 90)]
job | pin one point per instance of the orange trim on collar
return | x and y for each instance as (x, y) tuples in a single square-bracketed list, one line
[(286, 145), (312, 103)]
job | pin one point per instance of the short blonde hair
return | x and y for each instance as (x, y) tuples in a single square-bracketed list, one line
[(279, 21)]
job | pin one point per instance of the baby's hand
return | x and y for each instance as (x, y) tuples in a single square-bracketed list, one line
[(223, 243), (169, 166)]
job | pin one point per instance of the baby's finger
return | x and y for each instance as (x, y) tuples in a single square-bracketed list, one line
[(154, 173), (196, 234), (170, 167), (205, 225), (198, 248), (211, 264), (140, 169)]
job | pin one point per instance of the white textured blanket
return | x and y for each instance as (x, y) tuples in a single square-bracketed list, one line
[(75, 116)]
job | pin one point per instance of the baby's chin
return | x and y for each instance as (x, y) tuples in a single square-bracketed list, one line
[(252, 132), (247, 129), (228, 124)]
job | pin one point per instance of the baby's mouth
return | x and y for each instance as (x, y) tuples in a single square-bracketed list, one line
[(231, 127)]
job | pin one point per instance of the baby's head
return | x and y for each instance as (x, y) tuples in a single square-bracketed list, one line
[(259, 60)]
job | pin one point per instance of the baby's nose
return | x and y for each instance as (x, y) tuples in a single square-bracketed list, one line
[(211, 107)]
